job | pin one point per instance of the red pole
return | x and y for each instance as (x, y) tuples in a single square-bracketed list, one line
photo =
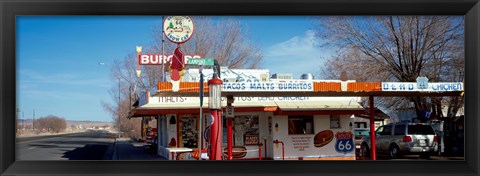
[(372, 130), (216, 136), (230, 100), (229, 138), (283, 150), (259, 152)]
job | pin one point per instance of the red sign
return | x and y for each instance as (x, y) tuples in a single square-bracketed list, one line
[(344, 135), (158, 59), (251, 140)]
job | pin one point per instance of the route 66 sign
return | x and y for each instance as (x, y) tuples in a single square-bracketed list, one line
[(422, 83), (344, 142)]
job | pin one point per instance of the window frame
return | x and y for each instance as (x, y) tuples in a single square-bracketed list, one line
[(304, 125)]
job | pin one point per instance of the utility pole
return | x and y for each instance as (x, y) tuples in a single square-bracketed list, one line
[(16, 120), (33, 122), (163, 51), (119, 107)]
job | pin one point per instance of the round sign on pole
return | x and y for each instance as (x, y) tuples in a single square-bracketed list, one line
[(178, 29)]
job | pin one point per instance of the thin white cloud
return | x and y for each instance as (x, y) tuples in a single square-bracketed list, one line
[(32, 77), (298, 55), (58, 95)]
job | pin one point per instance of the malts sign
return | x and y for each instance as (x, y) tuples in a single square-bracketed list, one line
[(158, 59)]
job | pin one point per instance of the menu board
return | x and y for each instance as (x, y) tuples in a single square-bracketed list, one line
[(188, 131)]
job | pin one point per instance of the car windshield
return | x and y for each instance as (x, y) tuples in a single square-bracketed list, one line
[(362, 132), (420, 129)]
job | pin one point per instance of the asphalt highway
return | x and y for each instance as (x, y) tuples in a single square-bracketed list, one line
[(90, 145)]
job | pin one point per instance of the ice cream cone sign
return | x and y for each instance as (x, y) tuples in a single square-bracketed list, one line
[(176, 69), (177, 29)]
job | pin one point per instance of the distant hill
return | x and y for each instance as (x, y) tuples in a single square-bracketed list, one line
[(84, 124)]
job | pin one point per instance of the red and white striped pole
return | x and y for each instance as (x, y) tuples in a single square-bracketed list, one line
[(139, 71)]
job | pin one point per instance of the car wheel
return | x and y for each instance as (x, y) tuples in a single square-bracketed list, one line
[(394, 151), (365, 150)]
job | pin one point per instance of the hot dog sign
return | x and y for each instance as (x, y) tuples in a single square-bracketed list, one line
[(344, 142)]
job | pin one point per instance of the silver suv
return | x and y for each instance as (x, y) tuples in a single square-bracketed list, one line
[(404, 138)]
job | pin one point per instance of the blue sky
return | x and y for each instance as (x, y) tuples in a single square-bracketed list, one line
[(57, 57)]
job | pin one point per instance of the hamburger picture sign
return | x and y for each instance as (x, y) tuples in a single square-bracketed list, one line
[(178, 29)]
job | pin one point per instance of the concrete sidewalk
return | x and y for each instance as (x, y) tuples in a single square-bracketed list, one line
[(124, 149)]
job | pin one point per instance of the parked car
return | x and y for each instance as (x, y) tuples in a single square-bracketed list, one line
[(361, 134), (404, 138)]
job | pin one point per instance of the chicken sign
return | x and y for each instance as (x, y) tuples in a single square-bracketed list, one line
[(178, 29)]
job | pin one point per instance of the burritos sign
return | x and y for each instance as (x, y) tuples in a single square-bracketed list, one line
[(267, 86)]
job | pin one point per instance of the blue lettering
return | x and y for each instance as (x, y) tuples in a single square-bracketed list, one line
[(385, 86), (233, 86), (447, 87), (185, 37), (410, 86)]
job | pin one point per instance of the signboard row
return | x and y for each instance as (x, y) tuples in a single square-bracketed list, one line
[(308, 86), (267, 86), (430, 87), (159, 59)]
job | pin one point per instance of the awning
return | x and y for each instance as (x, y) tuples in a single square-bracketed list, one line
[(152, 109), (277, 107), (318, 105), (318, 108)]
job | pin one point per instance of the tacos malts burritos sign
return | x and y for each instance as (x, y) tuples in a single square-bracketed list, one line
[(178, 29)]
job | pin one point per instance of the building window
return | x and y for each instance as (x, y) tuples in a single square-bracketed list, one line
[(387, 130), (360, 124), (335, 121), (245, 130), (300, 124), (188, 128)]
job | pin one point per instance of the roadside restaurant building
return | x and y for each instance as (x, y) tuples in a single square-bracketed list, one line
[(279, 119)]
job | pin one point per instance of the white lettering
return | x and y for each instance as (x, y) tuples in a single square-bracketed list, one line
[(158, 59), (144, 59)]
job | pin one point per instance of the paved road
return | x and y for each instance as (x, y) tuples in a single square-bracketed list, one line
[(416, 157), (90, 145)]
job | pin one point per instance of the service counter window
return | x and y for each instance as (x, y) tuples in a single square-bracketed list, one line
[(188, 130), (246, 130), (300, 125)]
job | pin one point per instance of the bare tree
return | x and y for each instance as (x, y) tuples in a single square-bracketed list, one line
[(398, 48), (51, 123), (226, 40)]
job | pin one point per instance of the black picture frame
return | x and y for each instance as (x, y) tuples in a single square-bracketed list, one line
[(11, 8)]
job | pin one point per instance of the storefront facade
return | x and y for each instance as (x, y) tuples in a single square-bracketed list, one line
[(313, 121), (257, 123)]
